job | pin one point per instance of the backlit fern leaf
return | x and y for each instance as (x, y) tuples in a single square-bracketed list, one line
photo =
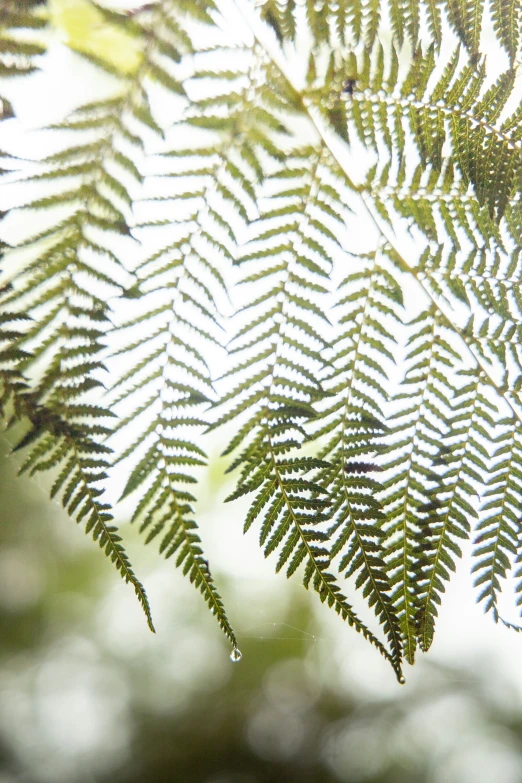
[(454, 108), (485, 282), (281, 17), (216, 149), (360, 21), (438, 204), (279, 357), (421, 420), (465, 16), (498, 530), (164, 392), (62, 277), (352, 421), (507, 21), (19, 44), (485, 279), (458, 471), (63, 442)]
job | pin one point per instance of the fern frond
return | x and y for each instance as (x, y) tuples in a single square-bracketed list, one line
[(388, 109), (420, 422), (352, 421), (226, 161), (281, 17), (20, 46), (169, 384), (437, 203), (456, 108), (62, 281), (466, 19), (459, 469), (498, 530), (60, 439), (62, 442), (507, 21), (163, 395), (346, 21), (275, 394)]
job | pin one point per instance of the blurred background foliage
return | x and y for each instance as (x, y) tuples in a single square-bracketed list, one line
[(84, 28), (87, 694)]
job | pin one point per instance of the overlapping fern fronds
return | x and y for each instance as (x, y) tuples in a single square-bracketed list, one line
[(365, 21), (59, 439), (61, 280), (457, 108), (360, 218), (166, 390), (277, 391), (353, 422)]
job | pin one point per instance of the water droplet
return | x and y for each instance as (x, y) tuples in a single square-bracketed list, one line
[(402, 679), (235, 655)]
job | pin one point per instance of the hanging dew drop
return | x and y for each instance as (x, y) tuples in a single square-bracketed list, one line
[(402, 679), (236, 655)]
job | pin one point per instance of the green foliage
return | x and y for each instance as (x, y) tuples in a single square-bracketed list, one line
[(353, 421), (363, 228), (20, 46)]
